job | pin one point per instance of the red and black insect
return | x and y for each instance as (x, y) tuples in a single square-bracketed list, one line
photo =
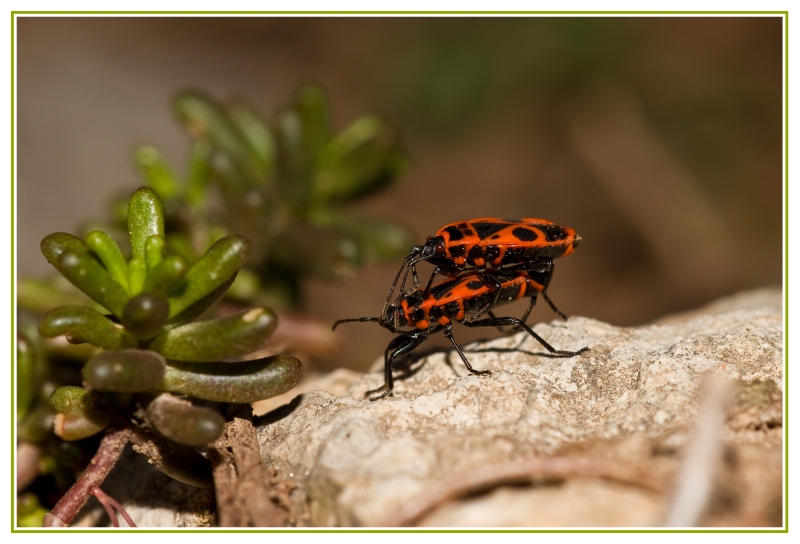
[(494, 247), (464, 299)]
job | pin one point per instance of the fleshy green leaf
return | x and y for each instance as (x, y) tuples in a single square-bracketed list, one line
[(234, 382), (37, 426), (304, 130), (182, 422), (41, 295), (145, 219), (91, 278), (256, 134), (79, 424), (137, 275), (125, 370), (157, 171), (197, 309), (85, 325), (205, 120), (199, 174), (26, 375), (216, 339), (181, 244), (54, 245), (364, 158), (145, 314), (110, 254), (210, 271), (164, 277), (69, 398), (154, 251)]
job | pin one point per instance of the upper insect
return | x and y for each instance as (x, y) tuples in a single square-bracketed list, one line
[(494, 242), (493, 247)]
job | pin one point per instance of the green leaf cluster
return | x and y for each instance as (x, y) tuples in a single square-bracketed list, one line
[(149, 345), (283, 184)]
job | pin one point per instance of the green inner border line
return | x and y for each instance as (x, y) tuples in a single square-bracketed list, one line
[(12, 426)]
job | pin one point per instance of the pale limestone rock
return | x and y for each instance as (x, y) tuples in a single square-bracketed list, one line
[(357, 462)]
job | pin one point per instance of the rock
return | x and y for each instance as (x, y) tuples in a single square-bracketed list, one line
[(362, 463), (591, 440)]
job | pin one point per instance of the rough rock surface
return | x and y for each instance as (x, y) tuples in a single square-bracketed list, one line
[(590, 440), (361, 463)]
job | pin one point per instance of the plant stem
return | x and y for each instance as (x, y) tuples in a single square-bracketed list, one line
[(110, 449)]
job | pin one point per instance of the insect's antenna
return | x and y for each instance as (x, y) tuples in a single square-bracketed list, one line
[(359, 319), (408, 259), (412, 266), (396, 278)]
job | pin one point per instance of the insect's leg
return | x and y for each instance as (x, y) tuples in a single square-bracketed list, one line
[(553, 306), (449, 334), (506, 321), (524, 317), (427, 290), (400, 346), (492, 283), (544, 274)]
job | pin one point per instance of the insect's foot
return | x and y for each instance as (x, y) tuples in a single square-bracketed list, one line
[(387, 393)]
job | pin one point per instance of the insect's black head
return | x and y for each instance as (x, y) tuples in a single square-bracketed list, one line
[(393, 317), (434, 247)]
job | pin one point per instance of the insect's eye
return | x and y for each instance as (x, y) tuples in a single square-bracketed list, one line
[(440, 247)]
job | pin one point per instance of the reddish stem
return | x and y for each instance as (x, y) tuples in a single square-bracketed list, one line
[(111, 505), (101, 464)]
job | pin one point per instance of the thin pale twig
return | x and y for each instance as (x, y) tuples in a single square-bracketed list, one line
[(695, 479)]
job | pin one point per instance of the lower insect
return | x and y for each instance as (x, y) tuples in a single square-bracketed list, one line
[(465, 299)]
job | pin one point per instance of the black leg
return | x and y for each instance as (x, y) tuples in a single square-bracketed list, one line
[(552, 306), (400, 346), (449, 334), (492, 283), (506, 321)]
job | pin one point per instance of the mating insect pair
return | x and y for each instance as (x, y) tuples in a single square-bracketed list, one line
[(511, 259)]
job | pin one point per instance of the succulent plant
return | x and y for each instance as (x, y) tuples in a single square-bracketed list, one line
[(153, 354), (124, 336), (283, 185)]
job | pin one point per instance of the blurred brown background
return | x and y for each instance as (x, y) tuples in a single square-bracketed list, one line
[(657, 139)]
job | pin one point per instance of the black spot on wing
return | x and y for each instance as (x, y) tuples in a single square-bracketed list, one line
[(487, 229), (475, 284), (454, 232), (525, 235), (553, 232)]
